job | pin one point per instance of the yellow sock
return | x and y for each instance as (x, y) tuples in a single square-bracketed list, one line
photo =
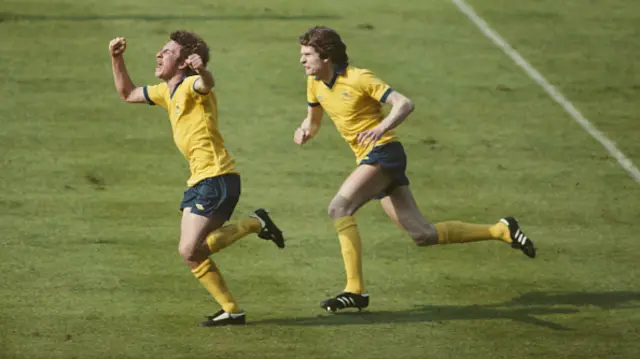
[(210, 277), (225, 236), (501, 231), (459, 232), (351, 246)]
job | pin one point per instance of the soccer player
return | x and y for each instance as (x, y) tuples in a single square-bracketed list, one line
[(352, 97), (214, 186)]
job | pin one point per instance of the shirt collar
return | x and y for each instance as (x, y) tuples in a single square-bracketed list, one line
[(177, 85), (339, 69)]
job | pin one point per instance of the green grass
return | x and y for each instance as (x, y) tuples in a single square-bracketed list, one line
[(89, 186)]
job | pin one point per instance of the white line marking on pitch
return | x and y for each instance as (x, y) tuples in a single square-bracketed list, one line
[(555, 94)]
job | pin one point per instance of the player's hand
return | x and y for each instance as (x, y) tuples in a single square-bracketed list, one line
[(117, 46), (370, 137), (301, 136), (194, 61)]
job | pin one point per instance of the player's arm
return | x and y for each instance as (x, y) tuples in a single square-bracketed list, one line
[(309, 126), (125, 87), (401, 107), (205, 83)]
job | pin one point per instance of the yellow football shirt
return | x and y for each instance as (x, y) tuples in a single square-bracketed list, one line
[(353, 100), (194, 120)]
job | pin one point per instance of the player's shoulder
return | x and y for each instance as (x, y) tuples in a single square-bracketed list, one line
[(156, 91), (359, 74), (160, 86), (189, 80), (358, 71), (187, 86)]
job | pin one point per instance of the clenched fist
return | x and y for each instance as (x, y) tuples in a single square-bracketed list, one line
[(117, 46), (301, 136), (195, 63)]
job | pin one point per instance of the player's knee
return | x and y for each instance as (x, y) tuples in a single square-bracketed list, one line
[(336, 212), (425, 236), (340, 207), (187, 252)]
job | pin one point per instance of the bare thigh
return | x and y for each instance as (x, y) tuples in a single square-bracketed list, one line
[(360, 187), (194, 230), (402, 208)]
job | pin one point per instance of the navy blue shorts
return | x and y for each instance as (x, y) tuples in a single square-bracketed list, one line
[(393, 161), (213, 196)]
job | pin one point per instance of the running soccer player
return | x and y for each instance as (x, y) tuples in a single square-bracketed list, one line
[(352, 97)]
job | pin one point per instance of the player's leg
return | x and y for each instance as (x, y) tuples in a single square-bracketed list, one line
[(401, 207), (192, 247), (361, 186), (216, 199), (259, 223), (390, 210), (206, 207), (223, 195)]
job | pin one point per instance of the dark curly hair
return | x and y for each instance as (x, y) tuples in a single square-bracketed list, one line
[(191, 43), (327, 43)]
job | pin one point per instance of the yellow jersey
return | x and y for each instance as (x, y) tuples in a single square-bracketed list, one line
[(353, 99), (194, 120)]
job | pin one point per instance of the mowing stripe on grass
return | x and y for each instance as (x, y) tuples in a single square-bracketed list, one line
[(551, 91)]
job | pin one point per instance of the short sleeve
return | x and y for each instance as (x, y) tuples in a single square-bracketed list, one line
[(373, 86), (312, 100), (156, 94), (190, 85)]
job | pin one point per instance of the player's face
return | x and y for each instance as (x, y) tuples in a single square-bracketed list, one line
[(311, 61), (167, 64)]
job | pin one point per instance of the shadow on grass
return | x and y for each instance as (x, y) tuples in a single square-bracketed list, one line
[(524, 309), (603, 300), (141, 17)]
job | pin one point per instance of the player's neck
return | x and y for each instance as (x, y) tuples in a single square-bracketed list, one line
[(327, 74), (174, 81)]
